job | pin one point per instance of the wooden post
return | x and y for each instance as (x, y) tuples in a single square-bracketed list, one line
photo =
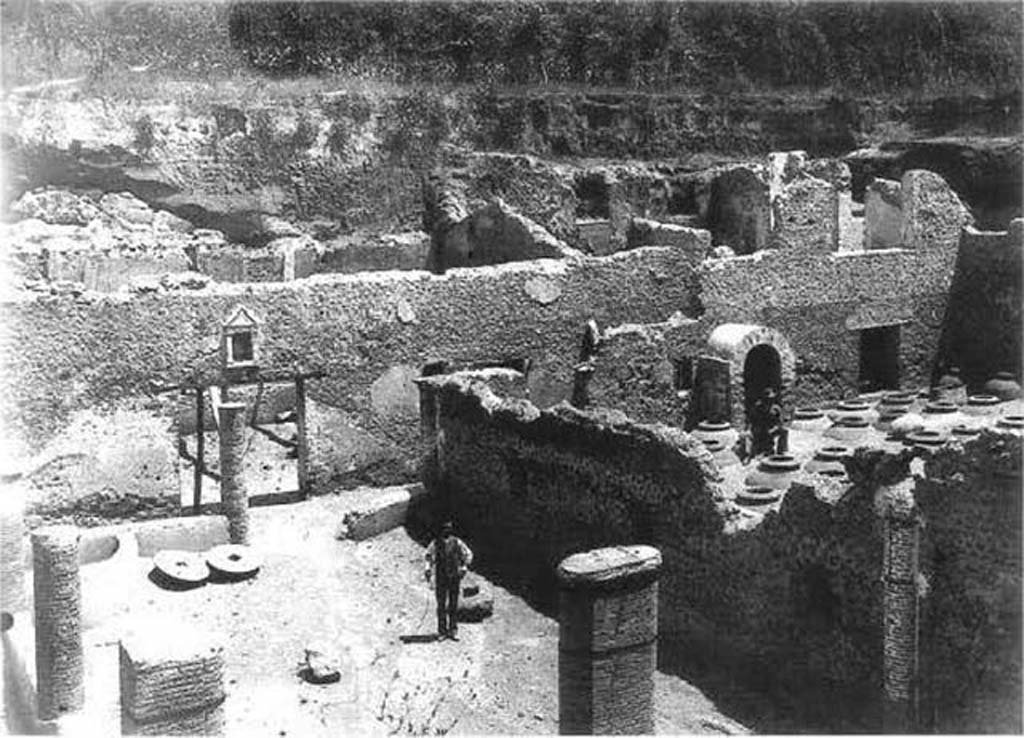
[(200, 462), (302, 445)]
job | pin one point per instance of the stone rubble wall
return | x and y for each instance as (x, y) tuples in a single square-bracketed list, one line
[(791, 601), (971, 566), (371, 334), (530, 486)]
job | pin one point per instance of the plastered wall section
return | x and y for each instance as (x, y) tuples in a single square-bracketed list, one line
[(371, 334)]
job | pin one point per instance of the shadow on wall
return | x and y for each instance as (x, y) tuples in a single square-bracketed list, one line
[(982, 327)]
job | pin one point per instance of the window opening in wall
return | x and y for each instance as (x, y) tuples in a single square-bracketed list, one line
[(241, 347), (879, 358), (762, 369), (683, 373), (592, 196)]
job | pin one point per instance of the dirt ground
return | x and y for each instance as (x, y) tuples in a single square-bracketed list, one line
[(356, 602)]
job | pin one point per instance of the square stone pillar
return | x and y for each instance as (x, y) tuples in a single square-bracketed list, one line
[(607, 646), (172, 682)]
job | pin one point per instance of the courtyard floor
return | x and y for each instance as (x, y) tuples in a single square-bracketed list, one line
[(358, 602)]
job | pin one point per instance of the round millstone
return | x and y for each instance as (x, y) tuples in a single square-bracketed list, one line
[(982, 400), (808, 413), (233, 561), (181, 567), (940, 407)]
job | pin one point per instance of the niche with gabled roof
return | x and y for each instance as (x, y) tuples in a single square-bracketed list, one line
[(240, 340)]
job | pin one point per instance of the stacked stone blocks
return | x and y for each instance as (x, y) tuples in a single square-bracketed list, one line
[(172, 682), (57, 586), (608, 631), (233, 494)]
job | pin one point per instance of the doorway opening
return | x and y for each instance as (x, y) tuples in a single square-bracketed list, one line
[(762, 369), (879, 359)]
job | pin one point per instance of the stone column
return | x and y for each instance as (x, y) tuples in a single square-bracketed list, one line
[(900, 613), (58, 608), (607, 646), (12, 552), (234, 497)]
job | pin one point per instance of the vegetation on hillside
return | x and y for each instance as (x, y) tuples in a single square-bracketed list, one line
[(856, 47)]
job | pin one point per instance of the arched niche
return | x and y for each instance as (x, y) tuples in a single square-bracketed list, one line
[(758, 357)]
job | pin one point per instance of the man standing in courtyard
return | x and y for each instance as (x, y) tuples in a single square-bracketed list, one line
[(448, 560)]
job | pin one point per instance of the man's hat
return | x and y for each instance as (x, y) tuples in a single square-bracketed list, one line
[(447, 527)]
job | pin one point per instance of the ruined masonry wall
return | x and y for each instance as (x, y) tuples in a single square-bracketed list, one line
[(984, 325), (821, 302), (971, 611), (795, 601), (371, 334)]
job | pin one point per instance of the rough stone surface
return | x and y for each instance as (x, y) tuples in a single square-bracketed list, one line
[(60, 670), (806, 216), (389, 509), (12, 548), (983, 335), (542, 290), (883, 215), (933, 215)]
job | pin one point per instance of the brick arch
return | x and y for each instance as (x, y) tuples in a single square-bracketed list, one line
[(732, 342)]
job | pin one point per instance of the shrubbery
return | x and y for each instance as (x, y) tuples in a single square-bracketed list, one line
[(857, 47)]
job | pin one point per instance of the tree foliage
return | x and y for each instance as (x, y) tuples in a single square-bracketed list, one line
[(859, 46), (649, 44)]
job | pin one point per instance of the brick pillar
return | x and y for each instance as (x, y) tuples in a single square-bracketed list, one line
[(233, 496), (607, 645), (58, 606), (172, 681), (901, 615), (12, 542)]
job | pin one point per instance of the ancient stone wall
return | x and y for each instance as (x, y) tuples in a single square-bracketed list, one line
[(796, 598), (531, 486), (646, 370), (982, 330), (371, 334), (971, 608), (792, 600), (819, 303)]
